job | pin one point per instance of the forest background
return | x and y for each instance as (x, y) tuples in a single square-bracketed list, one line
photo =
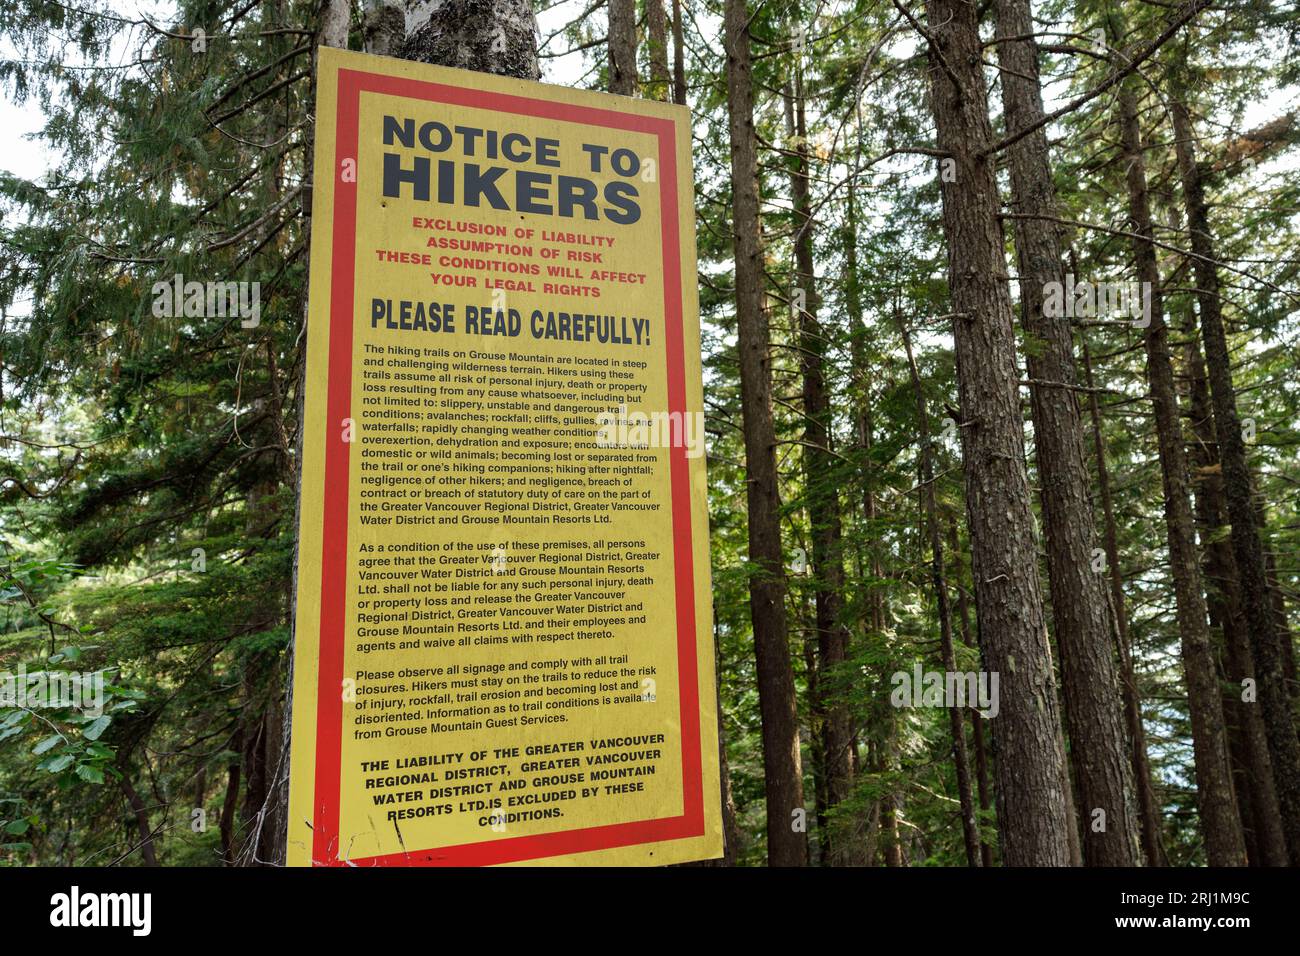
[(928, 448)]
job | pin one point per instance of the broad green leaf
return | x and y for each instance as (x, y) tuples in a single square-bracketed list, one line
[(60, 763)]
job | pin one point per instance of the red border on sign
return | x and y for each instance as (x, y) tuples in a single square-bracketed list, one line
[(329, 704)]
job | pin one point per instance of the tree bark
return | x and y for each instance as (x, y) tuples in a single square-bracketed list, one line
[(820, 489), (817, 722), (1152, 847), (1219, 824), (1280, 615), (335, 21), (893, 849), (730, 829), (679, 56), (786, 844), (490, 36), (1261, 821), (976, 721), (383, 27), (867, 558), (1031, 802), (656, 24), (140, 813), (256, 784), (956, 727), (1247, 547), (622, 47), (1081, 611), (228, 806)]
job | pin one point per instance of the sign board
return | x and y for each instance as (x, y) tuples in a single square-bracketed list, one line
[(503, 639)]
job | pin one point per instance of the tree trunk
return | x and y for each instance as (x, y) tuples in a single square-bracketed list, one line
[(787, 845), (1031, 802), (893, 849), (383, 27), (1261, 821), (862, 420), (730, 828), (817, 722), (866, 556), (679, 56), (229, 804), (821, 489), (265, 774), (656, 23), (201, 788), (256, 784), (1279, 614), (956, 727), (1081, 611), (335, 21), (490, 36), (1247, 548), (622, 47), (1071, 803), (1152, 848), (976, 721), (140, 813), (1219, 824)]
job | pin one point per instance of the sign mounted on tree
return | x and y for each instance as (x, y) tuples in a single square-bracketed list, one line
[(503, 645)]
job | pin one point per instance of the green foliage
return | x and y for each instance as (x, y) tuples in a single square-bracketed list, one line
[(148, 463)]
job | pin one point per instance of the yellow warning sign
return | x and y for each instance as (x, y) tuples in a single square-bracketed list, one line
[(503, 648)]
